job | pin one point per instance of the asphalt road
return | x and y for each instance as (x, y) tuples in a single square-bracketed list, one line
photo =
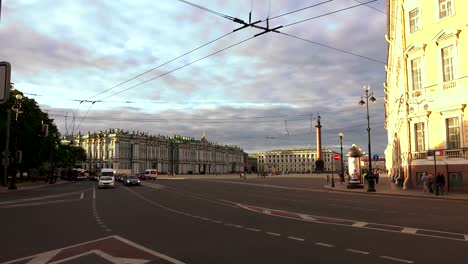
[(273, 220)]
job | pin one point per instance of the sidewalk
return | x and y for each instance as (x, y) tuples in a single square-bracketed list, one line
[(387, 187), (29, 185)]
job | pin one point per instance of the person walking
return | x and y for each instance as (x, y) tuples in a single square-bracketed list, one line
[(440, 181), (425, 182), (430, 182)]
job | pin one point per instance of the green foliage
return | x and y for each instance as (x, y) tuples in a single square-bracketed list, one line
[(26, 134), (68, 155)]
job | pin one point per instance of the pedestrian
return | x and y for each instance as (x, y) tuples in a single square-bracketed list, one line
[(328, 178), (376, 176), (341, 178), (440, 181), (425, 182), (430, 183)]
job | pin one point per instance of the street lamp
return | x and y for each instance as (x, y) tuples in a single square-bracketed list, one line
[(17, 109), (341, 152), (369, 97)]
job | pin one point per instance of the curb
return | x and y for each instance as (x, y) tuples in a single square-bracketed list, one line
[(30, 187), (442, 197)]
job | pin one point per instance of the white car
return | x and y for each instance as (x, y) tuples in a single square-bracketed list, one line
[(106, 182)]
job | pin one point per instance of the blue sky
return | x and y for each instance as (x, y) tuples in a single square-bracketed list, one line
[(262, 94)]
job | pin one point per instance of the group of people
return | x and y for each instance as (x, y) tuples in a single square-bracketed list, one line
[(433, 185)]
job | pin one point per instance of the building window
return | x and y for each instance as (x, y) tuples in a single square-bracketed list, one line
[(445, 8), (453, 133), (455, 180), (419, 136), (416, 74), (414, 20), (448, 59)]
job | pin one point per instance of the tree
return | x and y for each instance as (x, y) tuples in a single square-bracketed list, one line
[(68, 155), (26, 132)]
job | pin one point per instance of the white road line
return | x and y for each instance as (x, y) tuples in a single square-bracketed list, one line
[(397, 259), (273, 234), (324, 245), (307, 217), (466, 237), (266, 211), (217, 222), (94, 193), (357, 251), (82, 195), (108, 230), (233, 225), (359, 224), (253, 229), (296, 238), (409, 230)]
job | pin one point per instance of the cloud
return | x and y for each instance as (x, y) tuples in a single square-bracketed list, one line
[(259, 95)]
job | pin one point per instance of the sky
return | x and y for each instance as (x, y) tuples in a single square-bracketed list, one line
[(142, 65)]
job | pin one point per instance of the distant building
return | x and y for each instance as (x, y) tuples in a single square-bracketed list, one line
[(250, 163), (426, 92), (133, 152), (295, 161)]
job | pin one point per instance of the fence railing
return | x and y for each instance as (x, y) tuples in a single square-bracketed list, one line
[(461, 153)]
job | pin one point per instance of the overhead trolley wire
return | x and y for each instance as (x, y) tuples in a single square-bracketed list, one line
[(301, 9), (333, 48), (376, 9), (178, 68), (329, 13), (163, 64), (209, 10)]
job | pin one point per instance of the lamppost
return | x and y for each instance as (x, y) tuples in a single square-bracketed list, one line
[(369, 97), (341, 152), (17, 109)]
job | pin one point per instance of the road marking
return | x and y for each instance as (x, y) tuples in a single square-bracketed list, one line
[(324, 245), (265, 211), (357, 251), (108, 230), (359, 224), (409, 230), (233, 225), (273, 234), (307, 217), (466, 237), (40, 198), (397, 259), (82, 195), (216, 221), (296, 238), (253, 229), (94, 193)]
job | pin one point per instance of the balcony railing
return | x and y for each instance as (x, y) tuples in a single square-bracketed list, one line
[(461, 153)]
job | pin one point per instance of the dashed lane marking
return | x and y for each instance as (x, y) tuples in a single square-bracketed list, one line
[(353, 223), (357, 251), (397, 259), (253, 229), (82, 195), (324, 245), (273, 234), (409, 230), (360, 224), (296, 238)]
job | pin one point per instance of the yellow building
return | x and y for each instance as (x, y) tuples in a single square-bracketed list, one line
[(294, 161), (427, 91)]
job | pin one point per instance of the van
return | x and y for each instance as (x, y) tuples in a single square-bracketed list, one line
[(151, 174), (107, 172)]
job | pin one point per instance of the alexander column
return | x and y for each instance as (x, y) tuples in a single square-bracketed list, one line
[(319, 164)]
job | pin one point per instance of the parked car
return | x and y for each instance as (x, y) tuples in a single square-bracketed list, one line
[(142, 176), (106, 182), (132, 180)]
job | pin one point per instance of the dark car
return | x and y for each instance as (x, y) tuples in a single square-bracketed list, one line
[(132, 180)]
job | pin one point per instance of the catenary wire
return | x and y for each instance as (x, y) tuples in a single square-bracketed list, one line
[(208, 10), (333, 48), (178, 68), (163, 64), (301, 9), (329, 13), (376, 9)]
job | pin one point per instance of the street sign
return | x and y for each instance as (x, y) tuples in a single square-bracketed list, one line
[(376, 158), (5, 71), (336, 156)]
